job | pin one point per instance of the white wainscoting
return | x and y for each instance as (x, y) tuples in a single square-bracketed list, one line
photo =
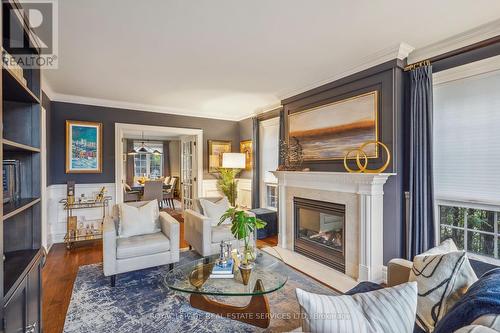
[(210, 188), (57, 215), (244, 191)]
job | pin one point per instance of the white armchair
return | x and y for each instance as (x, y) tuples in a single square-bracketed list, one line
[(122, 255), (202, 233)]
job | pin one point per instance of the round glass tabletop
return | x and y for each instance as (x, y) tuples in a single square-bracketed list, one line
[(194, 277)]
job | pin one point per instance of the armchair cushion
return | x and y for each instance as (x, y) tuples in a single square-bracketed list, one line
[(138, 220), (142, 245), (215, 210), (222, 233)]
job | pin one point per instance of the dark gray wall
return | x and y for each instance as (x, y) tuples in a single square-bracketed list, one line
[(60, 112), (246, 131), (388, 79)]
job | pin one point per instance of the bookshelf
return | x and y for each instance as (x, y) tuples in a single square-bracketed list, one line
[(20, 140)]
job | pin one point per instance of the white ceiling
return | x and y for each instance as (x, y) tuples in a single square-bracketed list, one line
[(229, 58)]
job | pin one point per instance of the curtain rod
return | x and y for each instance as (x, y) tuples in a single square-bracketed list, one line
[(449, 54)]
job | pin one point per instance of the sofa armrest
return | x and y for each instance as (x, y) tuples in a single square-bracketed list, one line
[(170, 227), (398, 271), (109, 236), (198, 231)]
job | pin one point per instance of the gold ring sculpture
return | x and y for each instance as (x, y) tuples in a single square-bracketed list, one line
[(363, 167)]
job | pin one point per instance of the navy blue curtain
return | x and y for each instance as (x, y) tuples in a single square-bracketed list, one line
[(256, 165), (422, 227)]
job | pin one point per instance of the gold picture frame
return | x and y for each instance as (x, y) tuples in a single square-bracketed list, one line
[(83, 147), (246, 148), (215, 150), (328, 131)]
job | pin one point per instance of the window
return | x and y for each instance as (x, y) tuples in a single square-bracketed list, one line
[(473, 230), (140, 165), (269, 151), (466, 151), (149, 165), (272, 196)]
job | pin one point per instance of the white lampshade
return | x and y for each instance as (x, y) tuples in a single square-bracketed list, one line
[(233, 160)]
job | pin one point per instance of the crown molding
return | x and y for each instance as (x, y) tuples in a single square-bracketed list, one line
[(481, 67), (267, 108), (483, 32), (56, 97), (399, 51)]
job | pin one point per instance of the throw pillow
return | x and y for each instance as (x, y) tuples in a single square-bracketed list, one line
[(215, 210), (389, 310), (443, 275), (139, 220), (479, 306)]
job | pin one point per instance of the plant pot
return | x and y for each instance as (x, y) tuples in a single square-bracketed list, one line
[(246, 271)]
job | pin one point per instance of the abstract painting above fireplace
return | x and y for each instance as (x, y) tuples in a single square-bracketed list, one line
[(320, 231)]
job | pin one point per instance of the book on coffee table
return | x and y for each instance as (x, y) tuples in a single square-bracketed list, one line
[(223, 271)]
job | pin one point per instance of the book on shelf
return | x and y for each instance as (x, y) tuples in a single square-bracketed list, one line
[(11, 63)]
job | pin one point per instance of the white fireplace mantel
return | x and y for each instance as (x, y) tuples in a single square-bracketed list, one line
[(368, 188)]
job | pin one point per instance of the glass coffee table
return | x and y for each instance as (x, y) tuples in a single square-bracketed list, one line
[(194, 278)]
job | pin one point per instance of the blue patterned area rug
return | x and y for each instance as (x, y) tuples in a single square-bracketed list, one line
[(141, 303)]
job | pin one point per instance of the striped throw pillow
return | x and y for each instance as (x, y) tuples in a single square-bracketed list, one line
[(389, 310)]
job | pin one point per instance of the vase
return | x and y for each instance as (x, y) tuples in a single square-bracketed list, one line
[(248, 250), (245, 271)]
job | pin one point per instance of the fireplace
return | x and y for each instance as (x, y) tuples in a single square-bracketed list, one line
[(320, 231)]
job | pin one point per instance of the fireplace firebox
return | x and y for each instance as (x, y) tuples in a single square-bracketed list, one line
[(320, 231)]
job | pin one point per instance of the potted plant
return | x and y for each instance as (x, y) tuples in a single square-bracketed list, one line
[(244, 227), (227, 183)]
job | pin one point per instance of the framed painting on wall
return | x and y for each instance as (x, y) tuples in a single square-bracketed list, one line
[(246, 148), (83, 147), (215, 150), (328, 132)]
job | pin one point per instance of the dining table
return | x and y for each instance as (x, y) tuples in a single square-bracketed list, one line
[(140, 187)]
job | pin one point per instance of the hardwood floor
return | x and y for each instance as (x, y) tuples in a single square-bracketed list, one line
[(60, 271), (58, 276)]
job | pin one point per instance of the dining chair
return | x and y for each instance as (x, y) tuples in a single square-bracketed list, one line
[(169, 194), (153, 189), (129, 194)]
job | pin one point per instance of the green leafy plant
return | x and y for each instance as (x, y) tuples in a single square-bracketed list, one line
[(227, 184), (243, 226)]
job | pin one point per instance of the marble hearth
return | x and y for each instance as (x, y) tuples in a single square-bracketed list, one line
[(361, 194)]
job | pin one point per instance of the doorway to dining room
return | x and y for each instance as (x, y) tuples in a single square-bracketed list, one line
[(151, 159)]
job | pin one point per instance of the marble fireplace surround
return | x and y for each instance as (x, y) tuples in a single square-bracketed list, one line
[(362, 195)]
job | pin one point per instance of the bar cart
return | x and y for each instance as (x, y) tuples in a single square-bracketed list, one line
[(78, 233)]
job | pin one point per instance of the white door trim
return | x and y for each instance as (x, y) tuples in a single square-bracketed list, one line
[(120, 128)]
